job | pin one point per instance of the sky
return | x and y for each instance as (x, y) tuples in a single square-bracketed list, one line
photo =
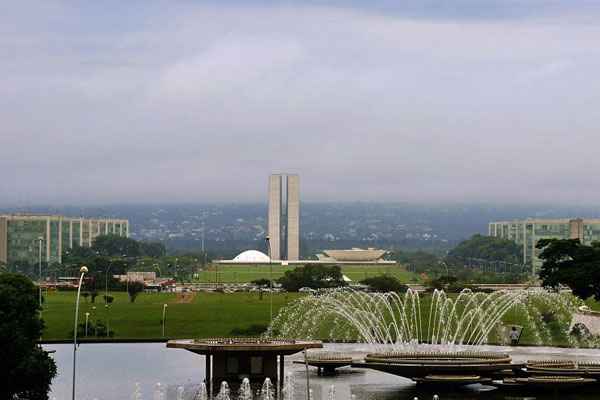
[(199, 101)]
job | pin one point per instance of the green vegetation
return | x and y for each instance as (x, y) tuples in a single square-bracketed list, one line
[(26, 369), (418, 261), (385, 284), (570, 263), (486, 248), (312, 276), (192, 315), (226, 273)]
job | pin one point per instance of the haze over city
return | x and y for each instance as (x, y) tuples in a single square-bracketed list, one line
[(182, 102)]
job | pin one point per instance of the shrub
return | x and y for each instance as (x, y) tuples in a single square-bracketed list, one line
[(385, 284)]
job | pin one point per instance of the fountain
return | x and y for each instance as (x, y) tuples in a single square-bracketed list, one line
[(245, 392), (223, 392), (159, 393), (202, 393), (288, 387), (234, 358), (266, 393), (326, 361), (433, 340), (331, 393), (180, 391), (390, 321), (137, 394)]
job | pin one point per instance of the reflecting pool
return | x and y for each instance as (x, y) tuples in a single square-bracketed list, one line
[(111, 371)]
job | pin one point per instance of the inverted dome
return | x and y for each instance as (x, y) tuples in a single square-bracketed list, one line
[(252, 256)]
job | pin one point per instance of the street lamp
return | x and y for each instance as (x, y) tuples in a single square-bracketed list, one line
[(106, 283), (270, 279), (40, 240), (87, 318), (107, 319), (164, 319), (83, 270)]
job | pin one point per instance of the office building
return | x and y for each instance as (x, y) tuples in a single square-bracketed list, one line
[(284, 216), (528, 232), (354, 255), (20, 235)]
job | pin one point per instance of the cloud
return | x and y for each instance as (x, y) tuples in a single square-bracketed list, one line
[(201, 103)]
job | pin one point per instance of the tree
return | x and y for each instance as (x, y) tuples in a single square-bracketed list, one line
[(262, 282), (93, 295), (417, 261), (447, 283), (153, 249), (486, 248), (570, 263), (312, 276), (26, 369), (116, 246), (134, 289), (384, 283)]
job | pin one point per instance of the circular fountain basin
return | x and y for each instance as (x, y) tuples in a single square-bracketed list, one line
[(216, 345), (327, 362), (417, 365), (452, 380), (553, 383), (563, 368)]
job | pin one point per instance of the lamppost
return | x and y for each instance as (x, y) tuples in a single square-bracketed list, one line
[(40, 240), (83, 270), (96, 322), (106, 283), (107, 307), (270, 279), (87, 318), (164, 319)]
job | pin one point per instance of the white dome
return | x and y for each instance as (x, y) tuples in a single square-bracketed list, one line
[(251, 256)]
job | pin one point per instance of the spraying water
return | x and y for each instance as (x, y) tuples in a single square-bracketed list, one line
[(288, 387), (223, 392), (245, 392), (137, 393), (396, 320), (266, 392), (201, 394), (331, 393), (159, 393), (180, 391)]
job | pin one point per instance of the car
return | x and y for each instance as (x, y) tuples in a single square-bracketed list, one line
[(306, 290)]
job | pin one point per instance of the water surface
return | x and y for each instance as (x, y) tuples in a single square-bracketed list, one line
[(110, 372)]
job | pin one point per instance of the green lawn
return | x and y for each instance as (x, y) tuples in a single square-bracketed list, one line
[(210, 314), (593, 304), (247, 273), (217, 314)]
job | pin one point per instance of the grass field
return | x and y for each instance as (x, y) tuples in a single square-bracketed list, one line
[(208, 314), (246, 273), (205, 315)]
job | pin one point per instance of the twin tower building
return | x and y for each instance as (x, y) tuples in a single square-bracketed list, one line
[(284, 216)]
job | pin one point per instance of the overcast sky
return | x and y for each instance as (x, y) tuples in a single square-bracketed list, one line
[(193, 101)]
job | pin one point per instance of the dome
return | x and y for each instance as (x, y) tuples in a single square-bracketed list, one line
[(252, 256)]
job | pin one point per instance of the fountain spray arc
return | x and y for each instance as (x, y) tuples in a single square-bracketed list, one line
[(398, 321)]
